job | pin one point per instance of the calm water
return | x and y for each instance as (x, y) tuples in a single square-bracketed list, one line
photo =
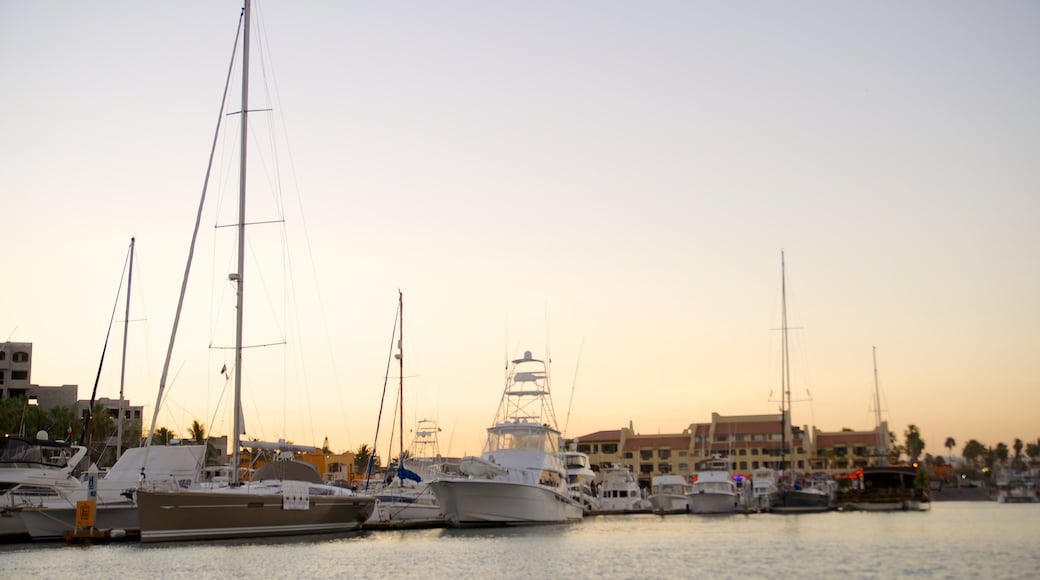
[(953, 540)]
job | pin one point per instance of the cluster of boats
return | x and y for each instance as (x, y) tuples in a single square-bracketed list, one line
[(523, 477)]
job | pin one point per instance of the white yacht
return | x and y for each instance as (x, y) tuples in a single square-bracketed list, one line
[(669, 493), (520, 477), (714, 491), (619, 491), (580, 479)]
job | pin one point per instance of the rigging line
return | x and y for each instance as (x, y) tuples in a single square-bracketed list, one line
[(570, 404), (108, 333), (195, 233), (379, 418)]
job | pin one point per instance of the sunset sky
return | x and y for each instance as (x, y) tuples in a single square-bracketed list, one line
[(613, 182)]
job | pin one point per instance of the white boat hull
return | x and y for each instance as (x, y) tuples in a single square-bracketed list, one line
[(481, 502), (670, 502), (713, 503), (49, 524)]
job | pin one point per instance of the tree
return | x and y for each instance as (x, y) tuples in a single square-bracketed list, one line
[(197, 432), (163, 436), (950, 444), (973, 452), (914, 443), (1001, 452), (361, 458), (1018, 448), (1033, 450)]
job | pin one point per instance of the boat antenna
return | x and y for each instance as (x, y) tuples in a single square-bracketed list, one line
[(882, 436)]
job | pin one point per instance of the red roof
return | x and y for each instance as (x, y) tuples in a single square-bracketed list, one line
[(826, 440), (601, 437)]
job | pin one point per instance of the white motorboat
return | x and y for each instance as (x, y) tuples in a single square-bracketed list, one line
[(33, 471), (619, 491), (714, 491), (580, 479), (520, 477), (669, 493)]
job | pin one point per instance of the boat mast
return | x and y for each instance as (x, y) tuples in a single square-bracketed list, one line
[(400, 373), (237, 276), (785, 366), (882, 443), (122, 370)]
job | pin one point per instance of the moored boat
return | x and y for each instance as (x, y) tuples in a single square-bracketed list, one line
[(619, 491), (520, 478), (883, 488), (713, 490), (668, 493)]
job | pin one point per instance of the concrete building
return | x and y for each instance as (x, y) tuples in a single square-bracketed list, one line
[(848, 449)]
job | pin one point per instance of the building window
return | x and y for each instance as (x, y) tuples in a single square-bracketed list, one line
[(628, 455), (611, 448), (1, 376), (19, 376), (3, 355), (20, 357), (742, 452), (646, 468), (754, 465), (583, 449), (754, 450), (684, 467), (664, 468), (683, 453), (859, 450), (743, 465), (646, 454), (664, 453)]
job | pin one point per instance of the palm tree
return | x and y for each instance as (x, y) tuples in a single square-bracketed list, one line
[(950, 444), (163, 436), (1002, 452), (1018, 448), (914, 443), (361, 458)]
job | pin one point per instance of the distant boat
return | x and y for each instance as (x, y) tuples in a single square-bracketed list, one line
[(520, 478), (406, 498), (283, 497), (883, 488), (580, 479), (669, 493), (713, 490), (619, 491), (792, 496)]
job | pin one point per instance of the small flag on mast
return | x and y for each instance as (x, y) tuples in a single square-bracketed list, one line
[(223, 370)]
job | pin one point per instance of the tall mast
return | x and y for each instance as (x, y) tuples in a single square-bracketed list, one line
[(882, 442), (400, 374), (237, 276), (785, 365), (122, 370)]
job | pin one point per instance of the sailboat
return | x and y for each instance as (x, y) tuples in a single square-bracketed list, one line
[(282, 498), (406, 499), (793, 496), (520, 477)]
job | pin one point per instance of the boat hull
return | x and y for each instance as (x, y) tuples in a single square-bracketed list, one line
[(187, 515), (406, 507), (802, 501), (713, 503), (482, 502), (670, 502), (50, 524)]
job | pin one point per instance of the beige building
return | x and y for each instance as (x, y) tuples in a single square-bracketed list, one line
[(747, 441), (848, 449)]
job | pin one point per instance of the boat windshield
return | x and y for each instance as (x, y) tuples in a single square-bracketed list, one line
[(521, 439)]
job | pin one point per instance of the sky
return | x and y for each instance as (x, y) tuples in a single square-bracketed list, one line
[(609, 182)]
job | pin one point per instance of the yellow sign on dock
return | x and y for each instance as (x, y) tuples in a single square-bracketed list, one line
[(85, 513)]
